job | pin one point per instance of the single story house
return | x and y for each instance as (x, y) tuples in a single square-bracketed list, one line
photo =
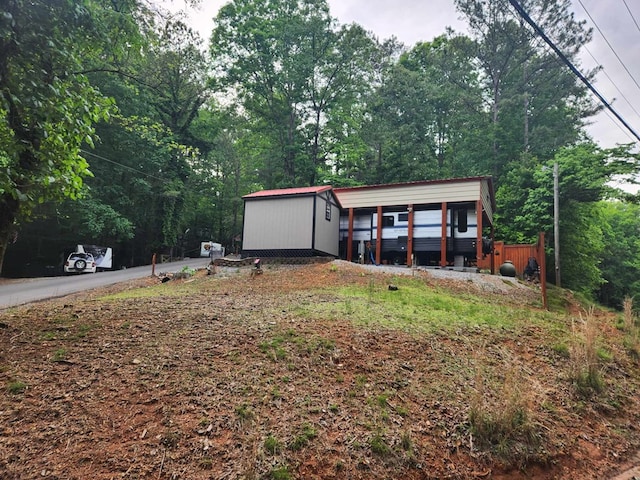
[(433, 222)]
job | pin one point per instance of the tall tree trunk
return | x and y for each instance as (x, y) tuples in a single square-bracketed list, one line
[(8, 209), (494, 122), (525, 88)]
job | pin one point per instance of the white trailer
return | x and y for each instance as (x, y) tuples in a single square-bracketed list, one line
[(102, 255), (461, 233)]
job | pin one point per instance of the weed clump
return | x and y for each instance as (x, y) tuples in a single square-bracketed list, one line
[(16, 387), (502, 420), (301, 440), (631, 340), (586, 356)]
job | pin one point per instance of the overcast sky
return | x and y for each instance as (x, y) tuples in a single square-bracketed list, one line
[(419, 20)]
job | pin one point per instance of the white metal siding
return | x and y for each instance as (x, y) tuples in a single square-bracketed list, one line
[(486, 201), (278, 223), (327, 231), (410, 194)]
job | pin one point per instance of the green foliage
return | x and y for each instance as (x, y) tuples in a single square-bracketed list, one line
[(280, 473), (418, 309), (501, 416), (379, 445), (48, 110), (586, 371), (16, 387), (301, 440), (621, 255), (272, 445), (291, 69)]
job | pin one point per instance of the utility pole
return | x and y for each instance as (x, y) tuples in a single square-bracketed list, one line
[(556, 222)]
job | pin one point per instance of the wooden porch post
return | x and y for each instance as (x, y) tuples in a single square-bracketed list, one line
[(379, 237), (410, 236), (479, 231), (350, 236), (542, 264), (493, 250), (443, 237)]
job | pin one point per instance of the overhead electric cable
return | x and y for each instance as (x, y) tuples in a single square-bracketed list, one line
[(609, 44), (568, 63), (631, 14), (613, 83), (123, 166)]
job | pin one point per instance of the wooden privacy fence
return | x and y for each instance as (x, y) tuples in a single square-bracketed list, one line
[(519, 255)]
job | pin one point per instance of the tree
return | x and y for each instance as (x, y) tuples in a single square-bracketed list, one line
[(176, 73), (48, 108), (290, 67), (432, 103), (621, 256), (535, 103), (585, 172)]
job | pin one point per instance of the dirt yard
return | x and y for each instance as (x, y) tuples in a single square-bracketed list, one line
[(268, 377)]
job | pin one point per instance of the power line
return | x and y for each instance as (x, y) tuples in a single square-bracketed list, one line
[(609, 44), (631, 15), (126, 167), (568, 63), (612, 82)]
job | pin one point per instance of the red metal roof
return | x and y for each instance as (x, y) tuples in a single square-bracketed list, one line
[(288, 191)]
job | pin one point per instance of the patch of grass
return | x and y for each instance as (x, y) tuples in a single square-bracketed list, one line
[(272, 445), (419, 308), (303, 438), (631, 329), (59, 355), (49, 336), (16, 387), (244, 412), (604, 354), (169, 289), (379, 446), (501, 417), (585, 369), (562, 349), (406, 442), (274, 349), (83, 330), (280, 473)]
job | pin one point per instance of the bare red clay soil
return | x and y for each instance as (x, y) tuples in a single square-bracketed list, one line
[(268, 376)]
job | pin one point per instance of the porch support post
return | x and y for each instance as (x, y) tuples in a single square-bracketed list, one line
[(479, 231), (410, 236), (379, 237), (443, 237), (350, 236), (493, 250)]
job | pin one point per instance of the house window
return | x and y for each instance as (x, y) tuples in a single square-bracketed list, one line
[(327, 211), (462, 221)]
